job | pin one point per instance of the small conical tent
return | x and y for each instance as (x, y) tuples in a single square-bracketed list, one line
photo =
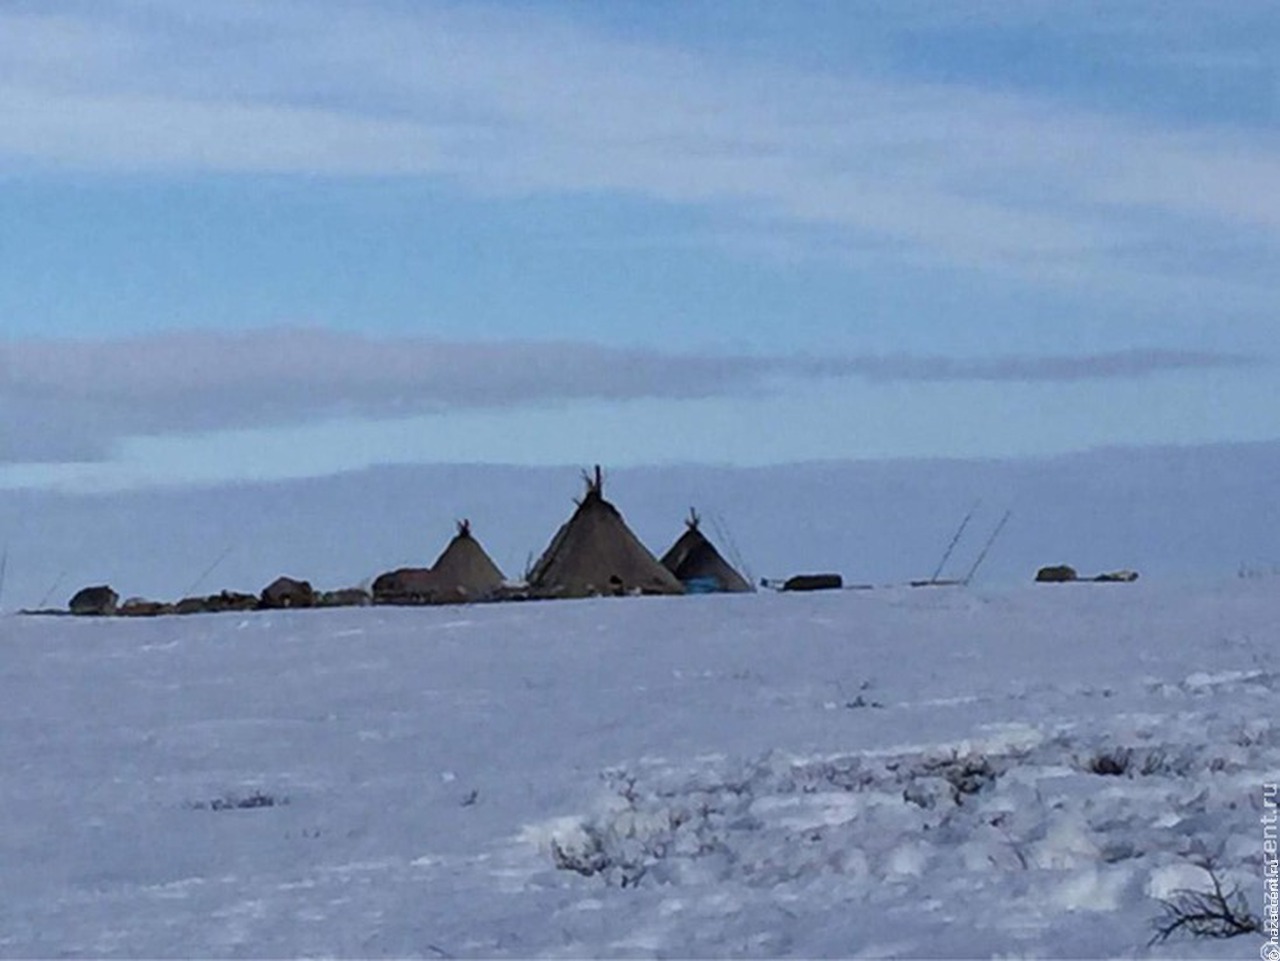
[(464, 569), (697, 564), (596, 553)]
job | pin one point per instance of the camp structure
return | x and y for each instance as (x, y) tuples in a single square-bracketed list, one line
[(697, 564), (463, 571), (287, 592), (404, 585), (813, 582), (100, 601), (595, 553)]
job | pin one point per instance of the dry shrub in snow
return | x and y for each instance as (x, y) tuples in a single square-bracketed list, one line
[(235, 802), (1125, 762), (1205, 914)]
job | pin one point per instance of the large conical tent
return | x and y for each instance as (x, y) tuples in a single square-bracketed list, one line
[(596, 553), (463, 570), (697, 564)]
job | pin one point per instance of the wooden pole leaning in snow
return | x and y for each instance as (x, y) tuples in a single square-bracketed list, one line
[(946, 555), (982, 555)]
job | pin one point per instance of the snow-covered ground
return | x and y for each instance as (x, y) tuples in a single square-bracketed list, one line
[(882, 773)]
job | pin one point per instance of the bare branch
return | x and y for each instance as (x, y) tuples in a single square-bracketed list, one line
[(1205, 914)]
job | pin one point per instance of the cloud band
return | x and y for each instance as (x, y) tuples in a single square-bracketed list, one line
[(74, 399)]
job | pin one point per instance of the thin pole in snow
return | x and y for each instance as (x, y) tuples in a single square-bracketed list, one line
[(721, 530), (986, 547), (946, 555), (52, 587), (207, 571)]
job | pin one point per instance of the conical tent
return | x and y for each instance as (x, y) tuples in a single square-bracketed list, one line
[(697, 564), (464, 569), (596, 553)]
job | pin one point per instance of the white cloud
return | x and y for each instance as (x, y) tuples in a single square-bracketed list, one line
[(67, 400), (517, 102)]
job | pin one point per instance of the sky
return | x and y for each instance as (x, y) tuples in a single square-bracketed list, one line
[(272, 238)]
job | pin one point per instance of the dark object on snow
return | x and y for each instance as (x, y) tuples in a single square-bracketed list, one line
[(191, 605), (1058, 574), (141, 607), (697, 564), (287, 592), (595, 553), (1117, 577), (1111, 763), (346, 597), (97, 601), (235, 803), (813, 582), (405, 585), (217, 603), (233, 600)]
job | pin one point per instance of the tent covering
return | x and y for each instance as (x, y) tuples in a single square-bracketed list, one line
[(595, 553), (696, 563), (463, 569)]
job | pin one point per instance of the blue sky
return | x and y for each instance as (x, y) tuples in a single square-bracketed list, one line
[(277, 238)]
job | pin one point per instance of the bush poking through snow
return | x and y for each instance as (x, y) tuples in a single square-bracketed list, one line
[(966, 775), (621, 865), (861, 701), (955, 776), (1205, 914), (1113, 763), (652, 830), (1125, 762), (232, 802), (587, 859)]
